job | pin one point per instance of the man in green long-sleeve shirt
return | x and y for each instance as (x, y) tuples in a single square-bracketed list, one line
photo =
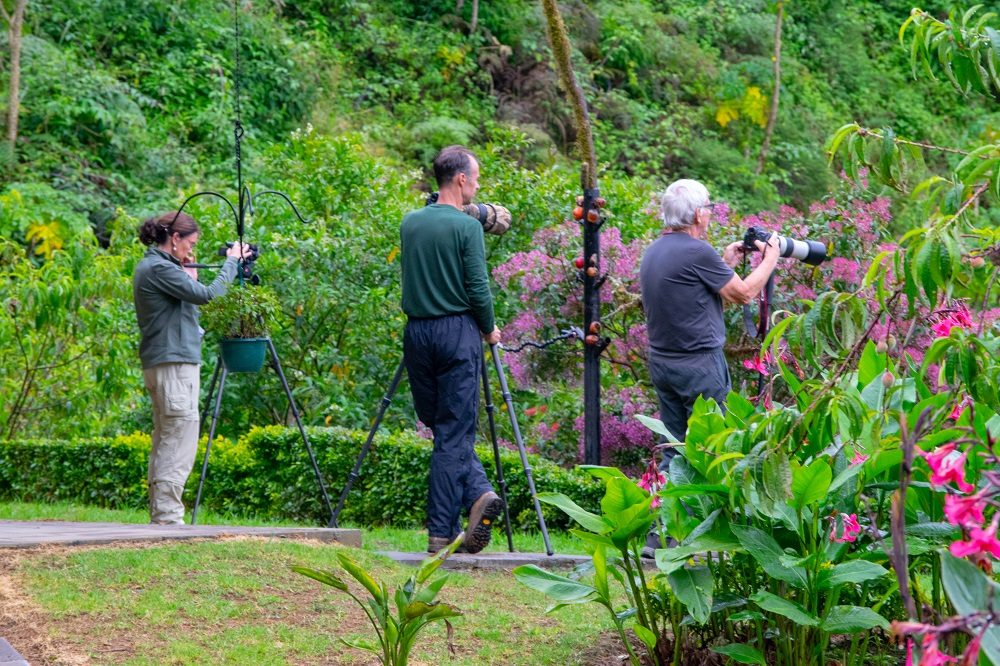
[(447, 300)]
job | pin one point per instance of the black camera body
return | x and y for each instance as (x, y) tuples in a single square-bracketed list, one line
[(246, 263), (808, 251)]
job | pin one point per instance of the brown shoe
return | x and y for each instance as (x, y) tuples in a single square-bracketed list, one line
[(482, 515), (434, 544)]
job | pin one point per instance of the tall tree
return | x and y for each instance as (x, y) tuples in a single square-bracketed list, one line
[(772, 116), (15, 24), (475, 13)]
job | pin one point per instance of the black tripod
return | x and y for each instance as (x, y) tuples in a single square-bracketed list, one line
[(220, 368), (501, 483)]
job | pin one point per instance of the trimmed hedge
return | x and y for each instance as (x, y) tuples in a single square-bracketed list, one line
[(267, 474)]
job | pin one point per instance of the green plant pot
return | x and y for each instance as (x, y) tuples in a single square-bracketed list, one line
[(243, 354)]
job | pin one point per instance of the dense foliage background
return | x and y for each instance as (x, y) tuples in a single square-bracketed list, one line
[(127, 108)]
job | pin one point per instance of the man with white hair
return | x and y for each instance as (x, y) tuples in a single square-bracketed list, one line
[(683, 282)]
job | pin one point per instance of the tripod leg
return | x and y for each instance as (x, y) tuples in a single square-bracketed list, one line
[(211, 436), (520, 446), (302, 431), (209, 395), (501, 484), (383, 405)]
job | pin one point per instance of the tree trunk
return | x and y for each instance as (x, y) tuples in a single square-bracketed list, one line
[(15, 25), (458, 6), (475, 17), (772, 116)]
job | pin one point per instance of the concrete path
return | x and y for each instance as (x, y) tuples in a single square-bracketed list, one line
[(9, 656), (26, 534)]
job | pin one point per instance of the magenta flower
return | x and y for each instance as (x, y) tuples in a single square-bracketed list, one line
[(759, 363), (959, 407), (980, 542), (948, 465), (652, 480), (959, 318), (931, 655), (859, 458), (965, 511), (852, 528)]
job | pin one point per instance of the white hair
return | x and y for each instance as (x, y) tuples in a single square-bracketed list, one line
[(681, 201)]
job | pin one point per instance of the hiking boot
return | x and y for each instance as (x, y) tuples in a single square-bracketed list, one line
[(434, 544), (482, 515)]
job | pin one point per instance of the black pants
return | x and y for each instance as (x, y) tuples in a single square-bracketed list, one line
[(679, 380), (443, 359)]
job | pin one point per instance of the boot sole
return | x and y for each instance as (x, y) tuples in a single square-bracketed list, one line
[(479, 535)]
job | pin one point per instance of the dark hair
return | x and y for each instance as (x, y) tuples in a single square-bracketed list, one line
[(156, 230), (451, 161)]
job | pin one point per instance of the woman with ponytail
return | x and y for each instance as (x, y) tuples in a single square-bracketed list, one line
[(167, 296)]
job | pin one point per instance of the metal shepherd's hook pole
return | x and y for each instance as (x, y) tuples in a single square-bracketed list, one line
[(520, 446)]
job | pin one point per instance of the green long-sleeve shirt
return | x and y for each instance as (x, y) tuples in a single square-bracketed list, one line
[(166, 307), (444, 265)]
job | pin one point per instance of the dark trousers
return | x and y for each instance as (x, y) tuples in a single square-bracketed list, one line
[(679, 380), (443, 359)]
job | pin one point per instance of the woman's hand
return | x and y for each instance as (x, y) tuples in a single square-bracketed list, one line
[(238, 250), (193, 272)]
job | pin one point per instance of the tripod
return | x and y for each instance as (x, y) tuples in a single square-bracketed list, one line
[(220, 368), (501, 483)]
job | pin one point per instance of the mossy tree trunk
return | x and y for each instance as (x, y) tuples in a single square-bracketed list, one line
[(15, 25), (772, 116)]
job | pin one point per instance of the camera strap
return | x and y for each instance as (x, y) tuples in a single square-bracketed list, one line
[(758, 329)]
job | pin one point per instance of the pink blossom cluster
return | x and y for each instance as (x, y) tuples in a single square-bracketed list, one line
[(652, 480), (623, 437), (930, 650), (851, 528)]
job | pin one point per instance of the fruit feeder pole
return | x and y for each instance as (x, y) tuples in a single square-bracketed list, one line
[(588, 214)]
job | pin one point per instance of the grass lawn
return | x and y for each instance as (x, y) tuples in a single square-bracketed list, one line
[(237, 602)]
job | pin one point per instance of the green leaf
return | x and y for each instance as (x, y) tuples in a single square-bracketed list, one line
[(645, 635), (969, 590), (361, 644), (560, 588), (431, 564), (793, 611), (852, 619), (362, 576), (777, 476), (656, 425), (601, 472), (854, 571), (810, 484), (763, 548), (621, 499), (586, 519), (741, 653), (693, 587), (325, 577)]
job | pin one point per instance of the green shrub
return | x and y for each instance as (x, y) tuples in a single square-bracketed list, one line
[(267, 474)]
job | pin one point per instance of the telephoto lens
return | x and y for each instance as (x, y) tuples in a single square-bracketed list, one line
[(807, 251)]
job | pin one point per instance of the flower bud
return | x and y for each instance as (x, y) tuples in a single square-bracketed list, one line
[(882, 347), (890, 342), (887, 379)]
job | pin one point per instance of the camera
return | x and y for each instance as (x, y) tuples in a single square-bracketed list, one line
[(246, 263), (807, 251), (494, 217)]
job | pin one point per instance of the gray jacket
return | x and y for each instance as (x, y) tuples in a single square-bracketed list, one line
[(166, 300)]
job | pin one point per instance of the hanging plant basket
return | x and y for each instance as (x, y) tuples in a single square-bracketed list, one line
[(243, 354)]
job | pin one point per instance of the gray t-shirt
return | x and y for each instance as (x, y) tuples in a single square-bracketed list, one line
[(680, 278)]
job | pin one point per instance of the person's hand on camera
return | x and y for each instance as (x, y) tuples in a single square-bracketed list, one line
[(493, 337), (772, 242), (238, 251), (193, 272), (734, 253)]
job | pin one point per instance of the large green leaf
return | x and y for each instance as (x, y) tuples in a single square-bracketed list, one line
[(811, 483), (586, 519), (622, 498), (325, 577), (793, 611), (560, 588), (970, 590), (363, 577), (855, 571), (645, 635), (656, 425), (763, 548), (741, 653), (851, 619), (777, 473), (693, 587)]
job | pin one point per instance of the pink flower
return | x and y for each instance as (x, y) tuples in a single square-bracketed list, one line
[(958, 318), (652, 480), (971, 655), (931, 655), (980, 542), (759, 364), (959, 407), (947, 465), (851, 529), (965, 511), (858, 458)]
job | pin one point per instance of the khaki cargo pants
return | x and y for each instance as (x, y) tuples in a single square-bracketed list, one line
[(174, 389)]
